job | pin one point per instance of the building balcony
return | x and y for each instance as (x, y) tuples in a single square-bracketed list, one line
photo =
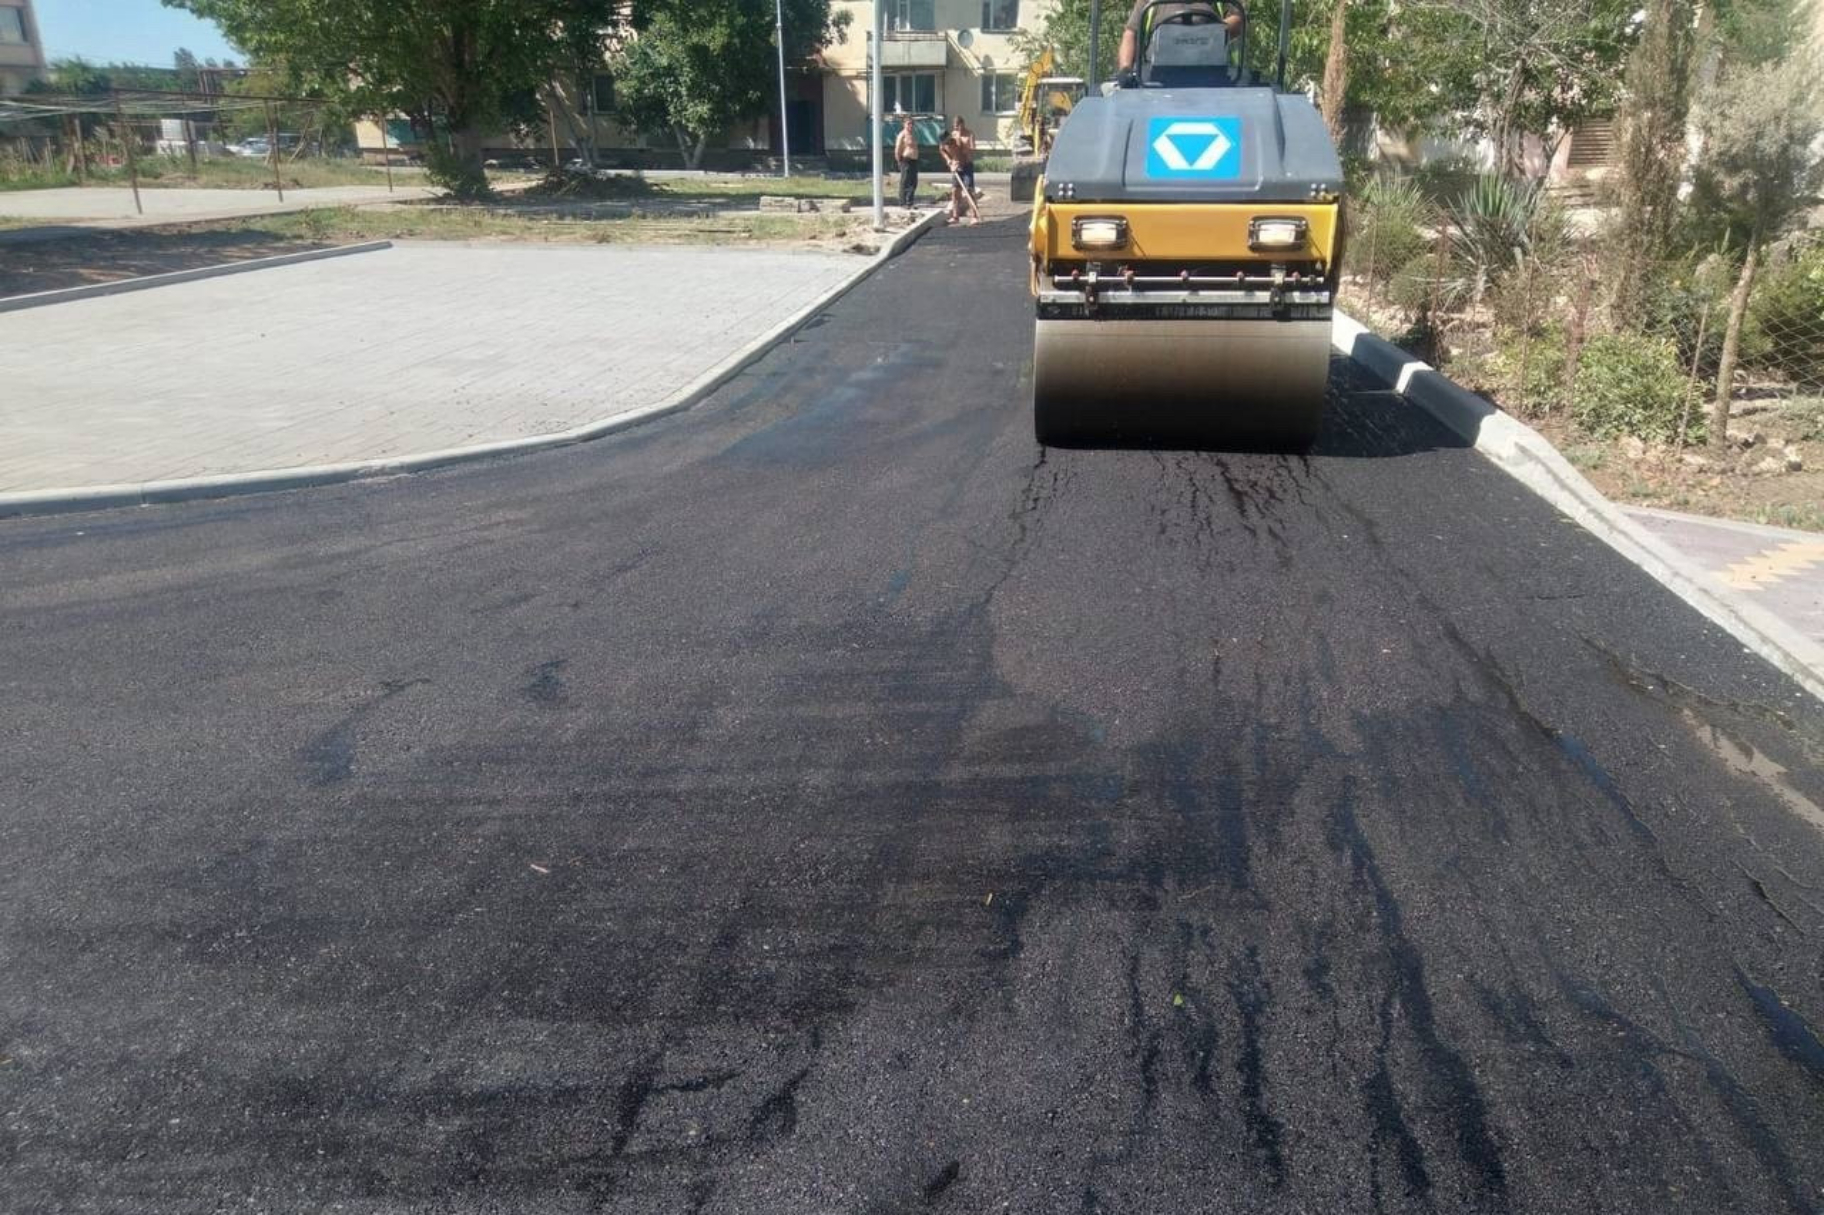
[(915, 49)]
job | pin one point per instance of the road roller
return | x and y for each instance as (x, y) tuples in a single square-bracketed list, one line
[(1186, 244)]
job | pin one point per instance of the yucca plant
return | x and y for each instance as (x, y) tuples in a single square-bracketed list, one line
[(1491, 231)]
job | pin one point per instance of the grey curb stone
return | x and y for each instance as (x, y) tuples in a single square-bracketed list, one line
[(188, 489), (40, 299), (1524, 454)]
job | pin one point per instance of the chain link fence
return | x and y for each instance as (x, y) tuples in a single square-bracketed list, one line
[(1530, 303)]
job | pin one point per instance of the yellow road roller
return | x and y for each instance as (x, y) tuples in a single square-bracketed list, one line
[(1186, 243)]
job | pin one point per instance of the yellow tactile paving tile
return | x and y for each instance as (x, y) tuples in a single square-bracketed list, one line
[(1774, 564)]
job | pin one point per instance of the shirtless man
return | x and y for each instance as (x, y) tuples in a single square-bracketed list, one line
[(951, 149), (905, 155), (1129, 54), (965, 142)]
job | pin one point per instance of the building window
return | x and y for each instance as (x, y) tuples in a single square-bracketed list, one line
[(603, 84), (911, 14), (12, 27), (1001, 94), (1000, 14), (909, 93)]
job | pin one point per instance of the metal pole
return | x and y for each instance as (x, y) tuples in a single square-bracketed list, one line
[(551, 117), (272, 138), (785, 138), (594, 129), (386, 157), (126, 143), (874, 91)]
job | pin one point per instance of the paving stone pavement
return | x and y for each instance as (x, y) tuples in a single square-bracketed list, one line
[(416, 348), (1778, 568)]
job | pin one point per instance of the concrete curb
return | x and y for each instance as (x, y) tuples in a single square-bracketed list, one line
[(39, 299), (188, 489), (1524, 454)]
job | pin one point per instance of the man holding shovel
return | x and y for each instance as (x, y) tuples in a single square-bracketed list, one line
[(956, 159)]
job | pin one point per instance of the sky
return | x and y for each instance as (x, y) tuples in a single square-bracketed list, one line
[(126, 31)]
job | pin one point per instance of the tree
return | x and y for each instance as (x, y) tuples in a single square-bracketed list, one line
[(692, 70), (186, 64), (1507, 69), (466, 65), (1335, 90), (1761, 170), (1652, 152)]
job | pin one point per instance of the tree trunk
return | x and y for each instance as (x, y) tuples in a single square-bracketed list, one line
[(465, 145), (1732, 340), (1336, 73)]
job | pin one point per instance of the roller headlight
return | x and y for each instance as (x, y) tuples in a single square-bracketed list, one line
[(1091, 232), (1277, 234)]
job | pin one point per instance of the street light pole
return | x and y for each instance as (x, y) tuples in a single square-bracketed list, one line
[(874, 89), (785, 138)]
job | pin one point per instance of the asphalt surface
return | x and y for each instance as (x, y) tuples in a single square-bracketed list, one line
[(824, 801)]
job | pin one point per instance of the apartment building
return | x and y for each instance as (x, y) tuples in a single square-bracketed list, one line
[(938, 57), (21, 49)]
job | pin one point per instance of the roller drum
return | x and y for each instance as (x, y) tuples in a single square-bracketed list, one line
[(1193, 383)]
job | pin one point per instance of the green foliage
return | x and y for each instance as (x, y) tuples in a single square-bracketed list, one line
[(1530, 374), (1650, 158), (1491, 231), (467, 65), (460, 175), (1686, 298), (693, 72), (1806, 417), (1505, 68), (1761, 31), (1388, 222), (1629, 384), (1423, 286), (1762, 127), (1785, 331)]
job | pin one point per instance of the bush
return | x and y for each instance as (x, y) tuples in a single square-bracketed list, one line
[(1387, 227), (1417, 286), (1806, 417), (1676, 301), (465, 181), (1785, 332), (1629, 384), (1528, 377)]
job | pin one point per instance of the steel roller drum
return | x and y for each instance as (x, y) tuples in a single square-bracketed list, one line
[(1193, 383)]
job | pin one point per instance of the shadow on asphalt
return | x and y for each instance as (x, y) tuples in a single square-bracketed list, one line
[(1364, 421)]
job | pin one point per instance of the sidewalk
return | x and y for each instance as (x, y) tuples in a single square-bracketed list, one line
[(417, 348), (1780, 569), (109, 207)]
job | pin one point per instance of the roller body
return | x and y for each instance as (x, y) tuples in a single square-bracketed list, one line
[(1186, 244)]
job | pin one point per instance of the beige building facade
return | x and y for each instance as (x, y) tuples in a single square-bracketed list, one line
[(21, 47), (939, 58)]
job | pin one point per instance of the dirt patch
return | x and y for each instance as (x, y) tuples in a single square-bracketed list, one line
[(1755, 482), (105, 257)]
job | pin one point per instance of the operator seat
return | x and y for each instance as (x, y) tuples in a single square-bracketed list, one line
[(1187, 51)]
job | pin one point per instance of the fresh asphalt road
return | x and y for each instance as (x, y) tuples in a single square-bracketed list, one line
[(826, 801)]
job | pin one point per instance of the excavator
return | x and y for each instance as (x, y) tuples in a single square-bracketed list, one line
[(1186, 244), (1045, 101)]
